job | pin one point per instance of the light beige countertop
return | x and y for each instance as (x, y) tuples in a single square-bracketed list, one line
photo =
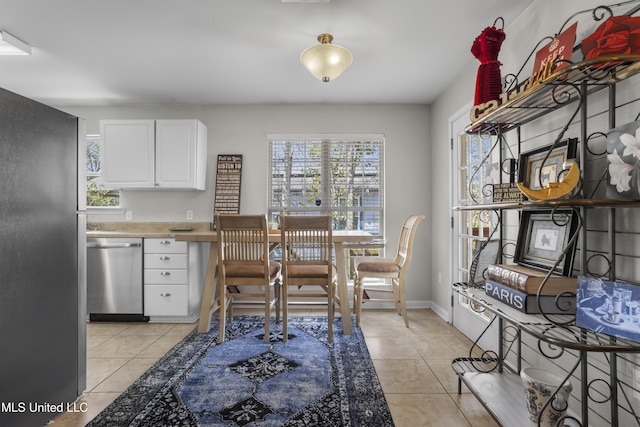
[(144, 229)]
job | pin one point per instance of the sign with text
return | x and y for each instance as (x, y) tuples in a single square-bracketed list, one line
[(559, 50), (228, 184), (508, 192)]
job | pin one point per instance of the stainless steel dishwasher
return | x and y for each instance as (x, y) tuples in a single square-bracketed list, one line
[(114, 279)]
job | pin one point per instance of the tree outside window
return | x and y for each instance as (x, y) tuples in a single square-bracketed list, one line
[(336, 175), (97, 194)]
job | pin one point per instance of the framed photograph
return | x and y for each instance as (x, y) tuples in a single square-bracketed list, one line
[(532, 173), (612, 308), (541, 239)]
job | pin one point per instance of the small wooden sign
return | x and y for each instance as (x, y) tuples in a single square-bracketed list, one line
[(507, 193), (228, 178)]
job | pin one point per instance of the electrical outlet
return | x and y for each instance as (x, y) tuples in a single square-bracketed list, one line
[(128, 215), (189, 215), (439, 278)]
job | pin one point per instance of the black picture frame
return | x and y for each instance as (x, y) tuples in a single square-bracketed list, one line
[(542, 236), (529, 164)]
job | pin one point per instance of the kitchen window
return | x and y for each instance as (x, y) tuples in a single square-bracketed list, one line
[(97, 195), (340, 175)]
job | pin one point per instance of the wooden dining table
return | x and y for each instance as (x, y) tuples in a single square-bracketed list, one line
[(211, 303)]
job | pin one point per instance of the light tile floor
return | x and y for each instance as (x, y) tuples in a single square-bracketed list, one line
[(413, 364)]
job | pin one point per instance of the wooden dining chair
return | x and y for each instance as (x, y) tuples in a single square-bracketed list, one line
[(243, 262), (392, 269), (307, 260)]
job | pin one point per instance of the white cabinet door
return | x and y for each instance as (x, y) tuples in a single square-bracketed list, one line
[(163, 154), (179, 154), (128, 153)]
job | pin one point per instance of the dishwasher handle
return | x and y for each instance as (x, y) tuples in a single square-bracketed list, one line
[(113, 245)]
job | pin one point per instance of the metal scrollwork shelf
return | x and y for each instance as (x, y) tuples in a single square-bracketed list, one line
[(556, 91), (497, 384), (561, 335), (493, 376)]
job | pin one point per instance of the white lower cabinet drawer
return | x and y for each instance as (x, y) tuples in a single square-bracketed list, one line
[(166, 300), (152, 246), (165, 261), (166, 277)]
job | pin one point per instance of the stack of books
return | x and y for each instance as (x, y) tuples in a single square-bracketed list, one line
[(517, 286)]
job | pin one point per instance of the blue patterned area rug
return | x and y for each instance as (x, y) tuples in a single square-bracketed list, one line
[(248, 382)]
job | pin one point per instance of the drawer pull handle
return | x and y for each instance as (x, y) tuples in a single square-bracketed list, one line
[(164, 258), (165, 242), (165, 294), (165, 273)]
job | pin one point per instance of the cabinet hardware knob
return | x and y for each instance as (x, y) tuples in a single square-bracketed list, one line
[(165, 294), (165, 273), (164, 258), (165, 242)]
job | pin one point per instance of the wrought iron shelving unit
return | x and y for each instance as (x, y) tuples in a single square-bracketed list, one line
[(494, 381)]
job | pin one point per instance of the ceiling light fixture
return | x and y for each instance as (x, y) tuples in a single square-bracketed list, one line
[(10, 45), (326, 61)]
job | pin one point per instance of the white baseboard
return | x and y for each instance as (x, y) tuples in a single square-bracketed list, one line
[(410, 304), (444, 314)]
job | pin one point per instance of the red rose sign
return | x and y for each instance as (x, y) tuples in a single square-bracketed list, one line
[(618, 35)]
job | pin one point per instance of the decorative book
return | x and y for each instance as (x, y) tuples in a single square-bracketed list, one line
[(528, 280), (530, 304)]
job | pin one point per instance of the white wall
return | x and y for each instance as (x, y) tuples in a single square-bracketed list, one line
[(242, 129)]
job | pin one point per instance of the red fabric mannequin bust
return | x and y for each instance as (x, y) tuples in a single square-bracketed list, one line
[(486, 48)]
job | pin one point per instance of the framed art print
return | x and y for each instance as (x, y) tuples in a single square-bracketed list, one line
[(542, 239), (612, 308), (535, 175)]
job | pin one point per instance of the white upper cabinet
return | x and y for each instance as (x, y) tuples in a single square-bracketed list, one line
[(128, 153), (163, 154)]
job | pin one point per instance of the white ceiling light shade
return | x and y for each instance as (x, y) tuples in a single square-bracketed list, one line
[(326, 61), (10, 45)]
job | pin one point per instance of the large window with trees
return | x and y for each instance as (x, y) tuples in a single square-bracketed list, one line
[(340, 175)]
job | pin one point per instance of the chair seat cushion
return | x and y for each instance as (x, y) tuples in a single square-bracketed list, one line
[(374, 264), (252, 270), (309, 271)]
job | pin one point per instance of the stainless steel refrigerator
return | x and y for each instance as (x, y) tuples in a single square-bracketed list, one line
[(42, 261)]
